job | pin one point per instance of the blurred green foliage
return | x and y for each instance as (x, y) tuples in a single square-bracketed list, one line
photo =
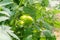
[(43, 20)]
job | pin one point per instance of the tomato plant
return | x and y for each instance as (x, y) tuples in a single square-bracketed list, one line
[(28, 19)]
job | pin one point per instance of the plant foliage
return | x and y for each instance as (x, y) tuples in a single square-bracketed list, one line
[(28, 19)]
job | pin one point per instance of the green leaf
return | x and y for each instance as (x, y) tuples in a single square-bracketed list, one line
[(3, 18), (56, 11), (7, 11), (34, 1), (12, 34), (27, 31), (5, 2), (4, 34), (30, 10), (28, 37), (47, 26), (49, 36), (44, 3), (17, 2), (57, 24), (8, 32), (47, 33), (3, 12), (42, 38)]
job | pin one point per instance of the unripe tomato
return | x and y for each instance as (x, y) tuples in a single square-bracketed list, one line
[(21, 22), (27, 19)]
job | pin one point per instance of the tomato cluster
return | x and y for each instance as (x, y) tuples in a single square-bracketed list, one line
[(25, 20)]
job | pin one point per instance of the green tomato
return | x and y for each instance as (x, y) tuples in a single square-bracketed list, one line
[(27, 19), (21, 22)]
